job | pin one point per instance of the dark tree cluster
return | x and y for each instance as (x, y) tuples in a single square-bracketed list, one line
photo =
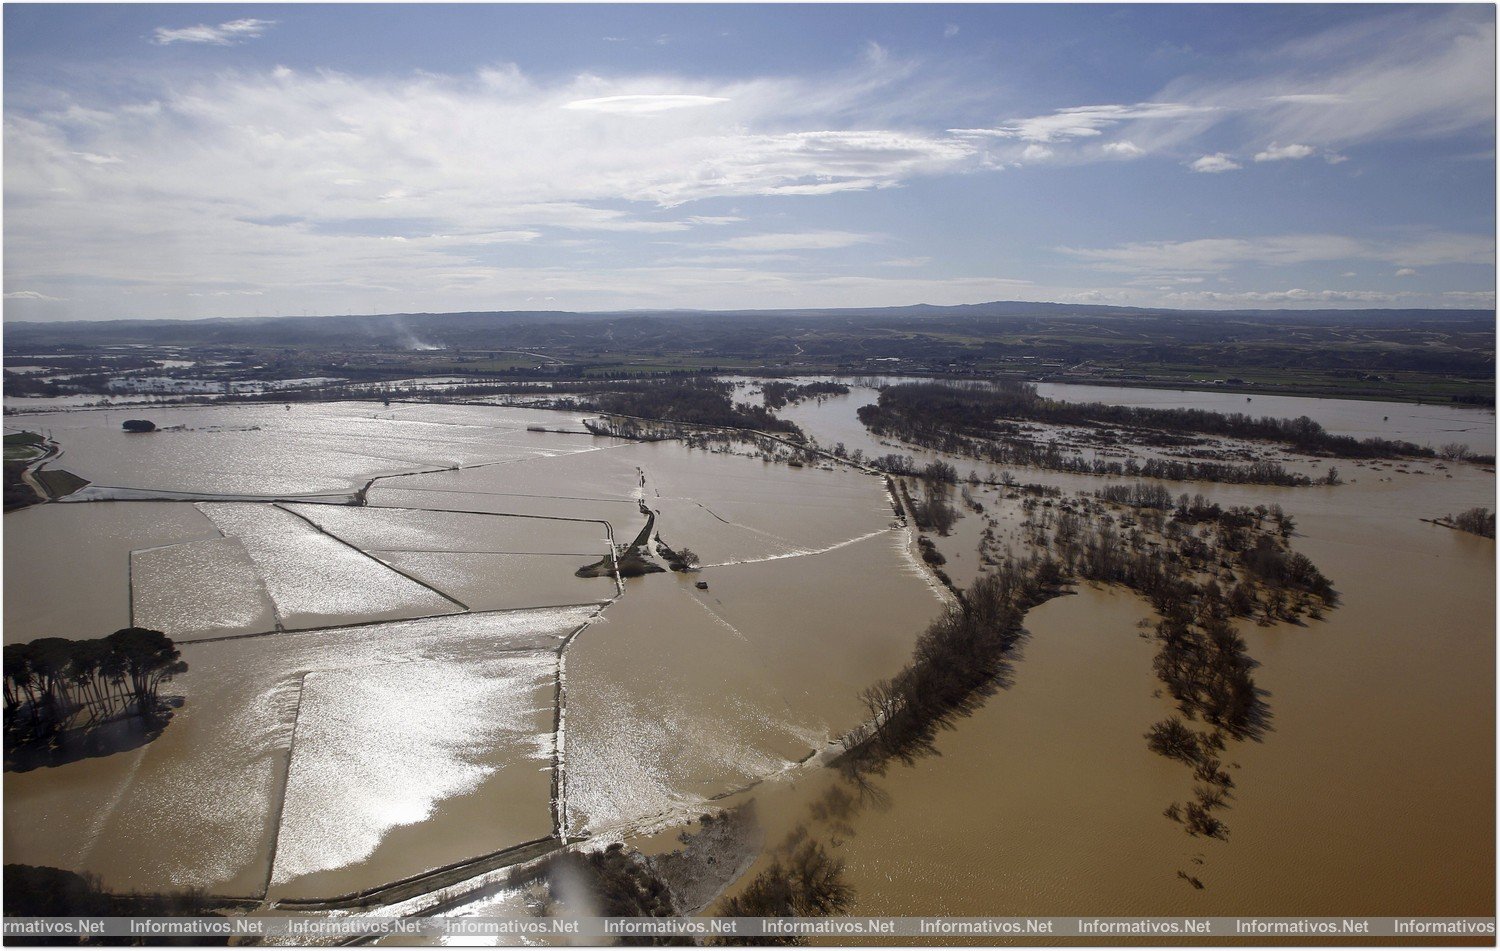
[(805, 881), (45, 892), (1010, 446), (615, 882), (1478, 521), (976, 409), (1199, 565), (780, 393), (957, 661), (701, 400), (54, 684)]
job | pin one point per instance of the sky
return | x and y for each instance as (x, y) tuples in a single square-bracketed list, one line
[(182, 161)]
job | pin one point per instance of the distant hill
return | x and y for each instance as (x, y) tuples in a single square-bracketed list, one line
[(539, 328)]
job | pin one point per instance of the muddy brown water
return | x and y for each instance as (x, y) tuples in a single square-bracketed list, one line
[(323, 762), (1374, 794)]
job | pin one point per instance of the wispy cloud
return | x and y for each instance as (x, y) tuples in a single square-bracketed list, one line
[(642, 104), (1396, 75), (29, 295), (225, 34), (1295, 296), (1221, 254), (799, 241), (465, 168), (1083, 121)]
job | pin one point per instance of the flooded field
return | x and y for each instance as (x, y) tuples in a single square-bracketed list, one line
[(378, 690)]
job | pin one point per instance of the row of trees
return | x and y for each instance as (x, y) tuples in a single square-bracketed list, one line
[(958, 660), (1009, 446), (54, 684)]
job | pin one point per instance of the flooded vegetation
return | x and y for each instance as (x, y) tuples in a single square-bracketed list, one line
[(589, 590)]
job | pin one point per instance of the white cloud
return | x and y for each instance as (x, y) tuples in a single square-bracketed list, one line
[(1218, 162), (94, 159), (1036, 152), (29, 295), (1295, 295), (1277, 153), (1406, 73), (225, 34), (1406, 272), (714, 219), (334, 163), (950, 31), (1124, 148), (642, 104), (800, 241), (1481, 298)]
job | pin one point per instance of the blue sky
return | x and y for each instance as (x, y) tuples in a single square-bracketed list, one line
[(234, 160)]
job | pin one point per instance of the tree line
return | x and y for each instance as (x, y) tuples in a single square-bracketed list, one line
[(701, 400), (1008, 446), (959, 659), (974, 408)]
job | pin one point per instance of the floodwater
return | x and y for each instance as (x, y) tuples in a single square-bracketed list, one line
[(202, 805), (201, 589), (1431, 424), (279, 451), (428, 679), (1373, 794), (321, 762), (832, 419), (761, 670), (67, 567), (389, 744)]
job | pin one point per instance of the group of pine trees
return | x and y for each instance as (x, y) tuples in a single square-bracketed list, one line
[(54, 684)]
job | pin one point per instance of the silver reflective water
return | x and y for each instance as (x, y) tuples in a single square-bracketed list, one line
[(319, 763)]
